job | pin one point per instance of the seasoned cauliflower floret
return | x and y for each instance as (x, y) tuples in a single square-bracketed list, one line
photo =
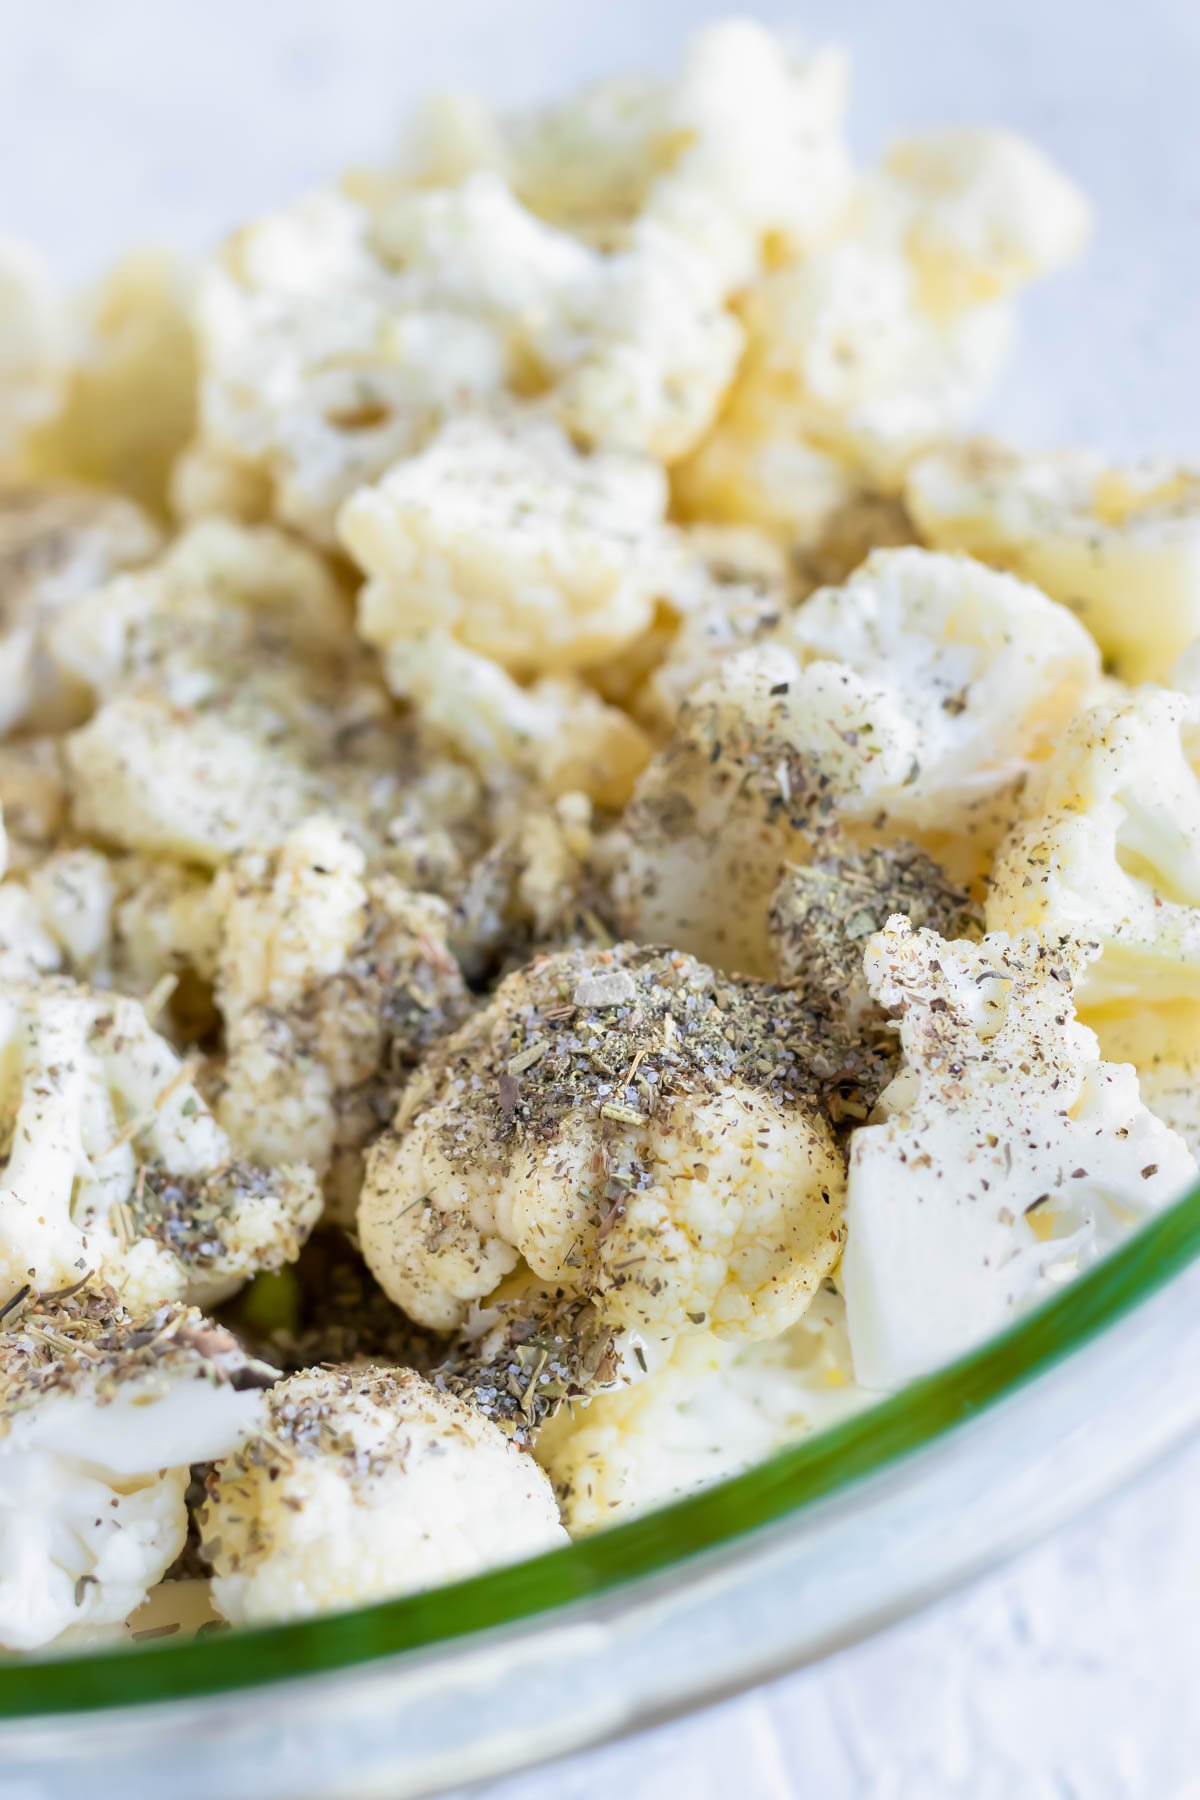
[(115, 1166), (635, 1128), (235, 704), (1008, 1155), (365, 1483), (912, 699), (1120, 546), (556, 732), (57, 544), (714, 1409), (847, 357), (1108, 848), (100, 1420), (331, 982), (525, 550)]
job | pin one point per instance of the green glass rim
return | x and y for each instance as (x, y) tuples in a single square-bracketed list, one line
[(774, 1491)]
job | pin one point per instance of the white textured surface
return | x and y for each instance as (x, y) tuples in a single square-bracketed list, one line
[(1075, 1672)]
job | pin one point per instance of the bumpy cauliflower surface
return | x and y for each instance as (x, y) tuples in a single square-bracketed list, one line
[(57, 543), (1120, 546), (1008, 1154), (331, 982), (1108, 848), (100, 1420), (366, 1483), (525, 550), (713, 1409), (636, 1128), (911, 699), (115, 1167)]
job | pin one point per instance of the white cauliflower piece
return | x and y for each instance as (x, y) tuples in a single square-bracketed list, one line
[(235, 705), (331, 981), (1120, 546), (100, 1420), (980, 213), (714, 1409), (1008, 1155), (367, 1483), (115, 1166), (847, 357), (34, 344), (556, 732), (909, 701), (1108, 848), (33, 796), (507, 537), (57, 544), (982, 670), (744, 144), (636, 1128), (128, 403)]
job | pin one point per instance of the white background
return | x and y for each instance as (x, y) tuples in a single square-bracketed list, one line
[(1075, 1674)]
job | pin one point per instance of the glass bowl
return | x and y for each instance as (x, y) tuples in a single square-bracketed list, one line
[(814, 1548), (194, 118)]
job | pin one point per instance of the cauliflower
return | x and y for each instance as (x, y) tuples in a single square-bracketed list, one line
[(100, 1420), (983, 671), (235, 704), (33, 798), (1108, 848), (636, 1128), (714, 1409), (979, 213), (555, 733), (526, 551), (743, 145), (365, 1483), (128, 405), (910, 700), (823, 912), (57, 544), (335, 339), (331, 982), (116, 1167), (844, 357), (1120, 546), (1007, 1155), (33, 345)]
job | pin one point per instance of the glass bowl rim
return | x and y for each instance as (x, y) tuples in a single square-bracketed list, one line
[(776, 1492)]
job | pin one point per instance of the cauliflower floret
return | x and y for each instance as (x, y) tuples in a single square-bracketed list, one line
[(33, 345), (714, 1409), (1008, 1155), (744, 144), (636, 1128), (235, 705), (1108, 848), (523, 549), (115, 1165), (129, 402), (331, 982), (980, 213), (1120, 546), (56, 545), (367, 1483), (845, 357), (100, 1420), (985, 668), (555, 732), (949, 681)]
